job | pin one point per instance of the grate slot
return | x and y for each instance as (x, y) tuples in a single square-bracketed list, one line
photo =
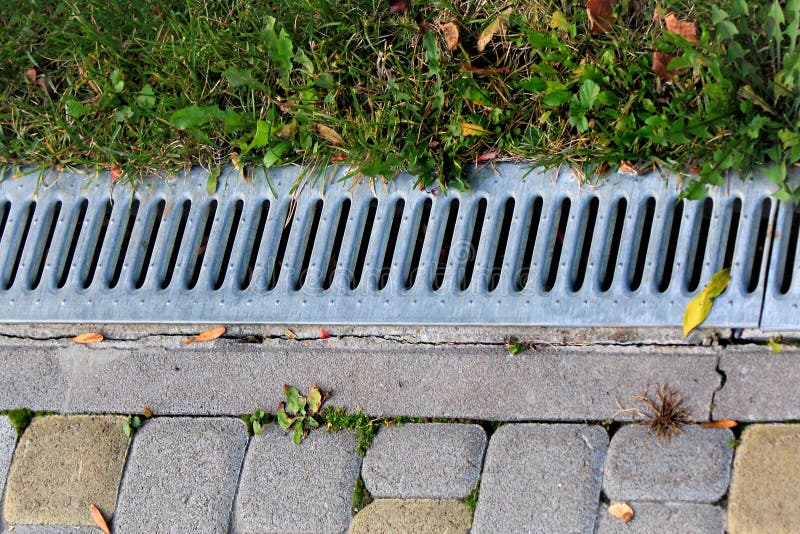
[(531, 231), (446, 242), (18, 245), (391, 244), (336, 247), (613, 241), (420, 231), (471, 253), (230, 233), (145, 251), (788, 267), (670, 245), (731, 232), (502, 245), (5, 208), (124, 241), (76, 227), (585, 235), (363, 239), (307, 244), (644, 229), (258, 221), (697, 251), (174, 241), (47, 229), (558, 234), (198, 251), (99, 222), (764, 220)]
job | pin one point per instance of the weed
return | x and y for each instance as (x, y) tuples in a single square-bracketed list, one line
[(361, 497), (665, 415), (256, 422), (471, 500), (337, 419), (20, 418), (131, 424), (299, 413)]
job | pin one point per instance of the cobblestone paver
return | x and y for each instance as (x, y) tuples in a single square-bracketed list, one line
[(63, 464), (420, 516), (693, 466), (181, 476), (765, 490), (297, 488), (760, 385), (439, 461), (8, 438), (651, 517), (543, 478)]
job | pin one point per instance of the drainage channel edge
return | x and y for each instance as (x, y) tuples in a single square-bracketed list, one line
[(523, 247)]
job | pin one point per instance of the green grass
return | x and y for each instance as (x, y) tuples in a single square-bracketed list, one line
[(156, 86)]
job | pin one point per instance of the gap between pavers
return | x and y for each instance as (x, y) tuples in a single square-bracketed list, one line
[(384, 379)]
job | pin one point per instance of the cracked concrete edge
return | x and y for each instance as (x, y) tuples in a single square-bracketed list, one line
[(148, 334)]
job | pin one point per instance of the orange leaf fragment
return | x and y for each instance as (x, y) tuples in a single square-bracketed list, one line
[(148, 413), (450, 32), (487, 156), (89, 337), (685, 28), (208, 335), (99, 520), (660, 62), (601, 15), (323, 334), (116, 173), (621, 511), (626, 167), (724, 423)]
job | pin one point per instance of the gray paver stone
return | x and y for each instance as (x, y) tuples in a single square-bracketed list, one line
[(541, 478), (420, 516), (181, 476), (37, 529), (32, 377), (435, 461), (666, 518), (765, 491), (8, 438), (760, 386), (297, 488), (693, 466)]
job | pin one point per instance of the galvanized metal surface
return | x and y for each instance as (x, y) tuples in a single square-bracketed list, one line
[(782, 298), (545, 251)]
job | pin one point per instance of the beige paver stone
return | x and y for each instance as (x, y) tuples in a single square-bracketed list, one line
[(765, 491), (421, 516), (63, 464)]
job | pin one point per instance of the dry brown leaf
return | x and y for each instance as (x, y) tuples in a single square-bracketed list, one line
[(487, 156), (208, 335), (626, 167), (99, 520), (725, 423), (450, 32), (621, 511), (497, 26), (398, 6), (148, 413), (330, 135), (660, 62), (601, 15), (478, 70), (290, 334), (685, 28), (89, 337)]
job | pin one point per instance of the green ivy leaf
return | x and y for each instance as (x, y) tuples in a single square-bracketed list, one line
[(298, 432), (146, 98), (257, 429), (292, 398), (75, 109), (556, 98), (284, 420), (588, 93)]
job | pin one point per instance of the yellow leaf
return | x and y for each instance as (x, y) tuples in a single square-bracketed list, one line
[(699, 307), (290, 334), (467, 128), (89, 337), (774, 344), (559, 21), (330, 135), (725, 423), (98, 518), (622, 511), (497, 26), (208, 335), (147, 411), (450, 32)]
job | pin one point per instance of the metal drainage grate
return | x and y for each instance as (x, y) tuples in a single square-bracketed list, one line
[(534, 251), (782, 299)]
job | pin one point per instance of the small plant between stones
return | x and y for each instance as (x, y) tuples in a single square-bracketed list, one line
[(256, 422), (300, 413), (665, 414), (131, 424)]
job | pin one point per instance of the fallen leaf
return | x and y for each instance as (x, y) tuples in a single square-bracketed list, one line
[(99, 520), (684, 28), (725, 423), (338, 157), (621, 511), (208, 335), (148, 413), (330, 135), (89, 337), (487, 156), (478, 70), (497, 26), (290, 334), (774, 344), (323, 334), (660, 62), (397, 6), (699, 307), (450, 32), (626, 167), (467, 128), (601, 15), (115, 173), (314, 398)]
